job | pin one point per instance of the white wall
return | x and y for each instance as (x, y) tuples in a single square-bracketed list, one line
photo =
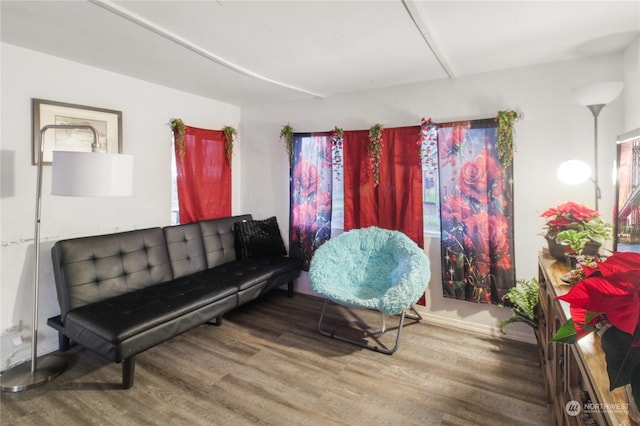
[(554, 129), (631, 95), (146, 110)]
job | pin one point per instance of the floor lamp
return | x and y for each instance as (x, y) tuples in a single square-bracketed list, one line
[(595, 97), (75, 174)]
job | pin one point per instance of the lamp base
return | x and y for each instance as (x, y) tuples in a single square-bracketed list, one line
[(20, 377)]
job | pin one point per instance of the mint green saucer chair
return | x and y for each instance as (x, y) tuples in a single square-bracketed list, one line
[(371, 268)]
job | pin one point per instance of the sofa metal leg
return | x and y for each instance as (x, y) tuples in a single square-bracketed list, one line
[(217, 321), (128, 370)]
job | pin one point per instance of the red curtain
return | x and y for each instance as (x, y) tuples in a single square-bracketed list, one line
[(396, 202), (204, 175)]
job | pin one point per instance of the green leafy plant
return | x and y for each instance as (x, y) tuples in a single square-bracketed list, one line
[(229, 138), (574, 226), (177, 125), (595, 230), (286, 135), (375, 150), (523, 301), (506, 120), (337, 139)]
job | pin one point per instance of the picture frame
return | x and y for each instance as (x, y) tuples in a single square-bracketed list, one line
[(107, 122), (627, 202)]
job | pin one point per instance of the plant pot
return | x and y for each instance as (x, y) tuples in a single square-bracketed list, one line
[(591, 248), (572, 261), (556, 250)]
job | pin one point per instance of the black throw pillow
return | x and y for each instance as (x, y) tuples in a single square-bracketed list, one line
[(258, 238)]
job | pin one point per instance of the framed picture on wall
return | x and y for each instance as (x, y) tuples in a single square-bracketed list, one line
[(627, 207), (108, 124)]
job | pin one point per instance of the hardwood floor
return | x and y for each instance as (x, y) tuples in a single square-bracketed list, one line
[(267, 364)]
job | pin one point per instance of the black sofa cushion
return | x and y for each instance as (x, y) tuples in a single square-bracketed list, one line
[(103, 326), (255, 277), (248, 273), (258, 238), (96, 268)]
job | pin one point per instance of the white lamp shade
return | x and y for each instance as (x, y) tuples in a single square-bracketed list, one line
[(597, 94), (574, 172), (89, 174)]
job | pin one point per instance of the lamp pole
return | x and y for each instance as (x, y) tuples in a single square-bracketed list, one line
[(27, 375), (595, 110)]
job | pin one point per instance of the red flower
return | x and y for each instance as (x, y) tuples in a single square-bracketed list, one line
[(613, 288), (567, 216), (454, 209), (571, 209), (473, 179), (305, 179), (451, 145)]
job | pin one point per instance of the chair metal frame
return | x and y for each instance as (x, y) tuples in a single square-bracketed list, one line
[(381, 349)]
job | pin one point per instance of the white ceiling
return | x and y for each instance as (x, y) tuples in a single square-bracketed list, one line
[(245, 52)]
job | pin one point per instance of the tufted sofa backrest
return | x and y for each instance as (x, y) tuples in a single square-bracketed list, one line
[(219, 240), (186, 251), (92, 269)]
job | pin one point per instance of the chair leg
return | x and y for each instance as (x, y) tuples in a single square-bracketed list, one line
[(415, 316), (374, 348)]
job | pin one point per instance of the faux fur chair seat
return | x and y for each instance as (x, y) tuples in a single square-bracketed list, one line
[(370, 268)]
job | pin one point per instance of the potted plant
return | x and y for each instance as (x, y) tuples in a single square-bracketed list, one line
[(571, 227), (523, 301), (607, 301)]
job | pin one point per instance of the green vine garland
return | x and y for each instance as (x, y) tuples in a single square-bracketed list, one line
[(337, 139), (375, 150), (177, 125), (505, 120), (229, 137), (286, 135)]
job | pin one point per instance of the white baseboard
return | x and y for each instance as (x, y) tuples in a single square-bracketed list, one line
[(477, 328)]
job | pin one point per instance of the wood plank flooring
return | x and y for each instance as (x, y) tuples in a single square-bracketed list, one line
[(268, 365)]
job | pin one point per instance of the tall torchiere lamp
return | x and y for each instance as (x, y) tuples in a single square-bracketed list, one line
[(75, 174), (595, 97)]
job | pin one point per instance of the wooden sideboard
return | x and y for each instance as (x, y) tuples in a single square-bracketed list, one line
[(573, 372)]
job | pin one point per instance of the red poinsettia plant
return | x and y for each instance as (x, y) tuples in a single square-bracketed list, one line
[(607, 301), (566, 216)]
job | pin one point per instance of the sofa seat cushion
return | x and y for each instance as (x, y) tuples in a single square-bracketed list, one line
[(247, 273), (119, 318)]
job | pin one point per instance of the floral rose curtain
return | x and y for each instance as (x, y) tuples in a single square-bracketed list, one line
[(204, 176), (396, 202), (311, 181), (476, 199)]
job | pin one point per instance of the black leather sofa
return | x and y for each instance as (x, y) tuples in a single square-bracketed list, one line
[(123, 293)]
